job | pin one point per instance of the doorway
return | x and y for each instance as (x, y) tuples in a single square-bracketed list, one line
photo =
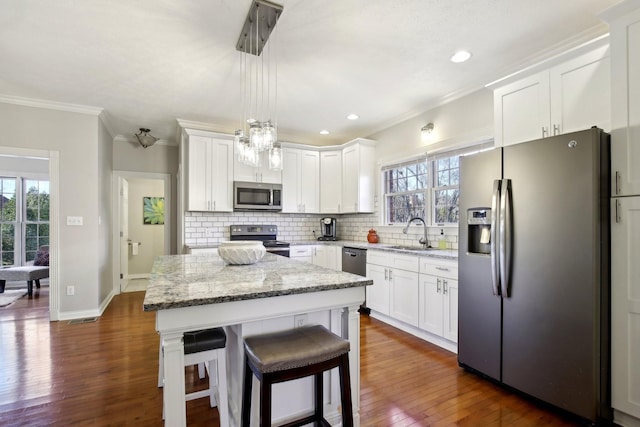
[(48, 172), (142, 229)]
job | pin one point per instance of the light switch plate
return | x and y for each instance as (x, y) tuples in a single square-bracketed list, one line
[(74, 220)]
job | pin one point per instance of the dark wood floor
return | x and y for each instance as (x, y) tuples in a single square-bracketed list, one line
[(105, 374)]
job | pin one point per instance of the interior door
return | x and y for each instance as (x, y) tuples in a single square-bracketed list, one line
[(124, 232)]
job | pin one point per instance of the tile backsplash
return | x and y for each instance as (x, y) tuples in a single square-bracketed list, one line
[(209, 228)]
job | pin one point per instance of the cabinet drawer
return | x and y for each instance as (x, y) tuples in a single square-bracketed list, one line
[(441, 268), (392, 260), (298, 251)]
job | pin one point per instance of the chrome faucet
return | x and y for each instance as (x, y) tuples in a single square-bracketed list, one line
[(423, 240)]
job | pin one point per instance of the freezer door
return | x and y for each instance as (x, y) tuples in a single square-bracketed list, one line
[(550, 334), (479, 310)]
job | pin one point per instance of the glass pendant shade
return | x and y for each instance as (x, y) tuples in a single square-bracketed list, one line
[(256, 136), (269, 135), (275, 157)]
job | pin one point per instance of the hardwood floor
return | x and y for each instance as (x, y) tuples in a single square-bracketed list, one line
[(104, 373)]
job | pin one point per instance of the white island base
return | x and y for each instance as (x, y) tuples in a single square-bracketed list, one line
[(335, 309)]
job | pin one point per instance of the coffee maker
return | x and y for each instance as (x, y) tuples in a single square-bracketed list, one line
[(328, 228)]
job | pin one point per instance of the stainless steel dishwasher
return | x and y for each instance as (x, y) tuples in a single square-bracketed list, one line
[(354, 260)]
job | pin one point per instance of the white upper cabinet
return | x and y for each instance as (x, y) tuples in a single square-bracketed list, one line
[(260, 173), (358, 176), (625, 98), (330, 181), (521, 110), (300, 180), (209, 173), (568, 97)]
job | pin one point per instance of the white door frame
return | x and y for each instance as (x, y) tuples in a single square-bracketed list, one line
[(115, 192), (54, 223)]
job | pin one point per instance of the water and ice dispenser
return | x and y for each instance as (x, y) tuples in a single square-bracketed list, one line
[(479, 230)]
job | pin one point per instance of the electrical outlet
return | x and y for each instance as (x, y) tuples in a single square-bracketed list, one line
[(208, 232), (300, 320), (71, 290)]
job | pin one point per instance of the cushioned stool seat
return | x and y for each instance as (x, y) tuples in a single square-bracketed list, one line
[(202, 348), (292, 354), (27, 273)]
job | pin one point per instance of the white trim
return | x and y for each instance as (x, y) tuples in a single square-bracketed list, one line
[(625, 420), (189, 124), (115, 197), (138, 276), (54, 235), (51, 105)]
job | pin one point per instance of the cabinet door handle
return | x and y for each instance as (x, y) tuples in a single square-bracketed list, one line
[(618, 176), (386, 274), (444, 287), (390, 271), (442, 268), (437, 286), (544, 132), (214, 205), (618, 209), (556, 129)]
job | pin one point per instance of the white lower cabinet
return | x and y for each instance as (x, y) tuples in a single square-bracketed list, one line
[(439, 297), (302, 253), (416, 294), (395, 285), (625, 305), (404, 288), (328, 256)]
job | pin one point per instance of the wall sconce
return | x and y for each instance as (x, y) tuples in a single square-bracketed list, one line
[(145, 139), (426, 132)]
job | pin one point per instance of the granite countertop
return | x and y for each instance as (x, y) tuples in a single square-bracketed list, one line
[(188, 280), (451, 254)]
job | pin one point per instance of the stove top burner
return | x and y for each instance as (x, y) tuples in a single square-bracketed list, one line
[(275, 244)]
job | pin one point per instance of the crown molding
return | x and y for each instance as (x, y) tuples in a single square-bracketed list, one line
[(51, 105), (209, 127)]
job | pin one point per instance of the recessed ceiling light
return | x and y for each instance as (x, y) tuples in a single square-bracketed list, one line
[(324, 132), (460, 56), (353, 116)]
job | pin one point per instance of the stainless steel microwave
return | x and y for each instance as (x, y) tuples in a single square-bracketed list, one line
[(250, 196)]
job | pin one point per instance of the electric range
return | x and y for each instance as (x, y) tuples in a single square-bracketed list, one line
[(265, 233)]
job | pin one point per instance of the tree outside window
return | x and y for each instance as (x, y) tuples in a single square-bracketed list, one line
[(36, 216)]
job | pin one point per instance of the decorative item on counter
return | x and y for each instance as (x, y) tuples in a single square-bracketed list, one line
[(241, 251), (372, 237), (442, 241)]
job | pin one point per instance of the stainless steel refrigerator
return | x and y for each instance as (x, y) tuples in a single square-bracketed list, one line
[(534, 269)]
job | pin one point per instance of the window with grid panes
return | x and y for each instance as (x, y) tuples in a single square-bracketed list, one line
[(428, 188), (405, 191), (446, 190)]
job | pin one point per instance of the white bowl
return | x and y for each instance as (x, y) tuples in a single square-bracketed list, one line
[(237, 253)]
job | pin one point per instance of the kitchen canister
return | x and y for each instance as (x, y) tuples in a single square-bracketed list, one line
[(372, 237)]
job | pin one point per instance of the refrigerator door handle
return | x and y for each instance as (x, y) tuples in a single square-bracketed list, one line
[(506, 229), (495, 259)]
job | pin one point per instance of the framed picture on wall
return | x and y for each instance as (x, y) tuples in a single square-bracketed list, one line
[(153, 210)]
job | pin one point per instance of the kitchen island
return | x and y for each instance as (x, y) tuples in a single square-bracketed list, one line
[(193, 292)]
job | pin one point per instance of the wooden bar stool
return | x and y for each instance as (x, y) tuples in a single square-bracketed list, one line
[(206, 348), (290, 355)]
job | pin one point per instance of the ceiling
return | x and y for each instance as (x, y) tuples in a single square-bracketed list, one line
[(150, 62)]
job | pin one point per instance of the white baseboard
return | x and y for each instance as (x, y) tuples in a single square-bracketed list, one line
[(82, 314), (625, 420), (417, 332), (138, 276)]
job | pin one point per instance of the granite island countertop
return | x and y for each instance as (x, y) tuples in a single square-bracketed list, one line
[(189, 280)]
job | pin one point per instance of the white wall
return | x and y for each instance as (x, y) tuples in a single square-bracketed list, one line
[(75, 137), (151, 236)]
